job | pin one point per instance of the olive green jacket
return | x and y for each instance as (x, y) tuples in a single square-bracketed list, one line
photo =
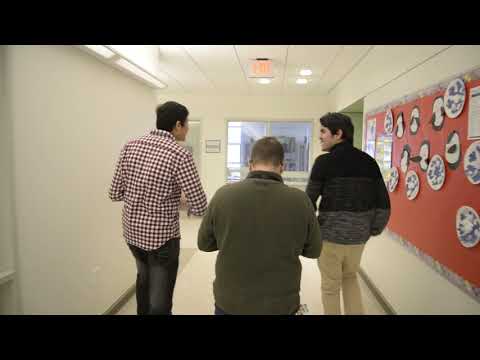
[(260, 227)]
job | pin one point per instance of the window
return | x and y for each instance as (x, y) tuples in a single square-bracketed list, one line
[(293, 135)]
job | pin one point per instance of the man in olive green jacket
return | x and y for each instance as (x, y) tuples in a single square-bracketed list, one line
[(260, 227)]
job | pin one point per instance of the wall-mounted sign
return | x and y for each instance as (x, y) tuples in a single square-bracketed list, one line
[(474, 114), (212, 146)]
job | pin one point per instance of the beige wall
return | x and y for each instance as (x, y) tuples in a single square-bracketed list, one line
[(71, 114), (214, 111), (7, 263), (408, 284)]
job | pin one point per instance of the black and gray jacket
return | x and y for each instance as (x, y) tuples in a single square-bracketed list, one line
[(354, 201)]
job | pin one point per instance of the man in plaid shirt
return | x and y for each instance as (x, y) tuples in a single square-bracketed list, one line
[(150, 175)]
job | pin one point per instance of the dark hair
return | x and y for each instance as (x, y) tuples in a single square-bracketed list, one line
[(169, 113), (338, 121), (267, 150)]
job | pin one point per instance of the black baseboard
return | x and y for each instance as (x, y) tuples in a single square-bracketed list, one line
[(378, 295), (126, 296)]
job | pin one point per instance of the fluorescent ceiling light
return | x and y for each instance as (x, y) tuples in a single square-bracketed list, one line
[(139, 72), (302, 81), (305, 72), (101, 50), (264, 81)]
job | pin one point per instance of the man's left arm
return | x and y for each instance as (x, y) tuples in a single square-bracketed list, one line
[(316, 182)]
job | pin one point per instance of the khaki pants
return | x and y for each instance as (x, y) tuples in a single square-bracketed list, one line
[(339, 265)]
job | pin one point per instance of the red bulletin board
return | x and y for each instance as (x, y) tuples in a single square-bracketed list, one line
[(428, 221)]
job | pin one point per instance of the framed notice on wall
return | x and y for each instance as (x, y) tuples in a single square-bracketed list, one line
[(212, 146)]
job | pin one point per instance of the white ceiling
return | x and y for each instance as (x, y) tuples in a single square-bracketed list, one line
[(223, 69)]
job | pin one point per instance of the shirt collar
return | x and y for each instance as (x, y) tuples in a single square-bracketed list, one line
[(265, 175), (162, 133)]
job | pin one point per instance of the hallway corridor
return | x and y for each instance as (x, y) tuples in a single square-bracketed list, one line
[(193, 292)]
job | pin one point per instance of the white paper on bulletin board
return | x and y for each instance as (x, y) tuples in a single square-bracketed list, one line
[(370, 138), (474, 114)]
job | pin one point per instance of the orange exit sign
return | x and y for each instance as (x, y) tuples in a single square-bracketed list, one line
[(261, 68)]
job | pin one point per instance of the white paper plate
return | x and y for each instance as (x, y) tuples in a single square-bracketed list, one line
[(454, 98), (392, 181), (412, 185), (400, 129), (414, 120), (438, 112), (468, 226), (453, 150), (388, 123), (436, 172), (405, 158), (471, 163)]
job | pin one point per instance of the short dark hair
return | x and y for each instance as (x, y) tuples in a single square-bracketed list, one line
[(337, 121), (267, 150), (169, 113)]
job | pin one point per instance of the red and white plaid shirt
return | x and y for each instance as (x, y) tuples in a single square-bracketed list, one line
[(149, 177)]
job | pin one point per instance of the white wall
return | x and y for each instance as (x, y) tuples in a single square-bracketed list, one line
[(214, 111), (383, 64), (71, 114), (408, 284)]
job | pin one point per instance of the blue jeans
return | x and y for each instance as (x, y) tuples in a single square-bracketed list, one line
[(156, 276)]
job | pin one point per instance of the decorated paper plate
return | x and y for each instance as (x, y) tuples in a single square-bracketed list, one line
[(388, 122), (423, 157), (392, 181), (468, 226), (438, 113), (414, 120), (453, 151), (400, 130), (412, 185), (454, 98), (471, 163), (436, 172), (405, 158)]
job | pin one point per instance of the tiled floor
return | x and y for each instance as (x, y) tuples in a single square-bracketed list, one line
[(193, 292)]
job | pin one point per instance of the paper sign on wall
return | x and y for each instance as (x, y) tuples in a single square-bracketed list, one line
[(474, 113)]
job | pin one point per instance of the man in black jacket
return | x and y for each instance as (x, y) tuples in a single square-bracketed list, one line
[(354, 206)]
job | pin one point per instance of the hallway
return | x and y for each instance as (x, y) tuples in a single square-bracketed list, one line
[(193, 292)]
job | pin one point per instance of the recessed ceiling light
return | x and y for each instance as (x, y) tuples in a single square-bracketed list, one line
[(302, 81), (305, 72), (264, 81), (101, 50), (139, 72)]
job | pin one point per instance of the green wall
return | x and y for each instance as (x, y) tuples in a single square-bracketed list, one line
[(357, 119)]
